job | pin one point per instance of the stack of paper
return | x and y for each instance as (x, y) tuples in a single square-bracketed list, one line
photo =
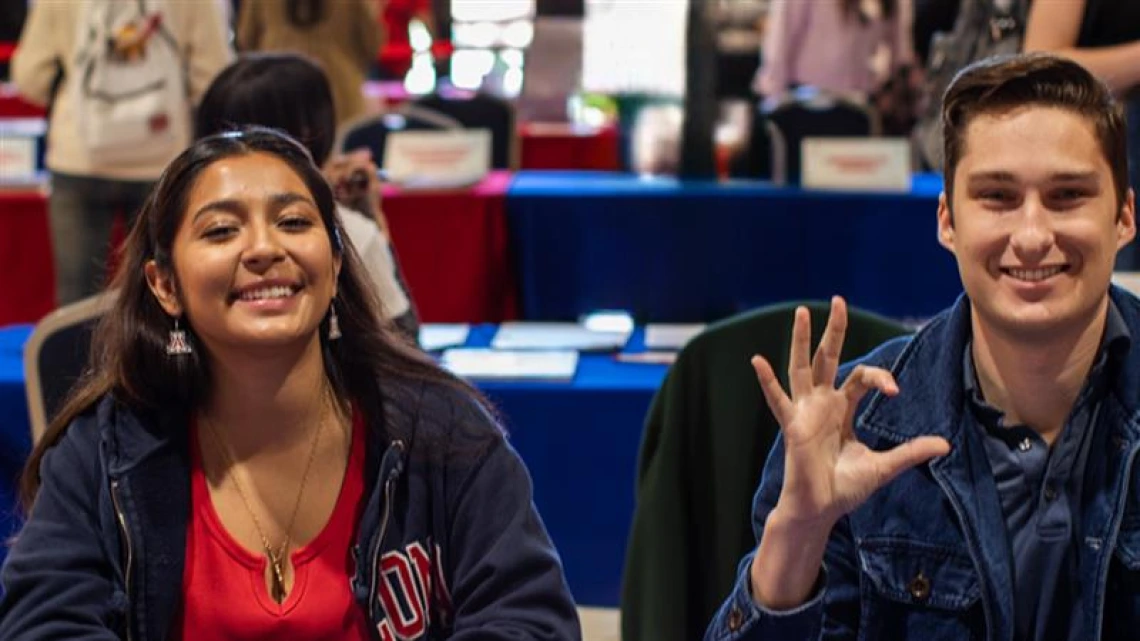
[(490, 364), (670, 336), (557, 336), (437, 336)]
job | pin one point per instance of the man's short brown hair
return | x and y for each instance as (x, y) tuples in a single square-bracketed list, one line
[(1002, 83)]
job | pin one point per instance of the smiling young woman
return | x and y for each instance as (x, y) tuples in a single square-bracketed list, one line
[(255, 454)]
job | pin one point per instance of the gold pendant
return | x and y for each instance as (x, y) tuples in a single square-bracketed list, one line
[(276, 580)]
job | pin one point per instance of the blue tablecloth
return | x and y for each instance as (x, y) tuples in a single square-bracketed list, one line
[(671, 251), (580, 443), (15, 428), (578, 439)]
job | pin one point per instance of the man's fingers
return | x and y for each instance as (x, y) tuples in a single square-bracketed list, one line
[(864, 379), (778, 401), (903, 457), (799, 361), (860, 381), (826, 361)]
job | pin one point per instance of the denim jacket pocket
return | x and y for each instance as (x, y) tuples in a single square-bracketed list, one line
[(917, 590)]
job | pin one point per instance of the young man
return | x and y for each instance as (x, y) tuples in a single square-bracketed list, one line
[(975, 481)]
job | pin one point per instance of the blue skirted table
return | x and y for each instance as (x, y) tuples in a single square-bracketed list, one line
[(671, 251), (15, 427), (579, 440)]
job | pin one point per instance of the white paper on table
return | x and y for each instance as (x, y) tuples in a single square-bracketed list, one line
[(529, 335), (670, 335), (506, 365), (437, 336)]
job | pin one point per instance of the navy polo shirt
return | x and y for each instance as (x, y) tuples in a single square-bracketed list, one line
[(1040, 492)]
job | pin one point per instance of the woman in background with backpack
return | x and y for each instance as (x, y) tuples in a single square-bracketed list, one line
[(829, 44), (97, 170), (344, 36)]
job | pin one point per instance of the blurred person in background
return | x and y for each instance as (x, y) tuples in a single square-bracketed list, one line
[(344, 36), (291, 93), (91, 185), (1104, 37), (831, 45)]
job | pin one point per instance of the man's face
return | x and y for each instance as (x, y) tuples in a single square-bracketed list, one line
[(1034, 223)]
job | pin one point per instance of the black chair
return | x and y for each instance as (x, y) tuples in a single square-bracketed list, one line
[(818, 116), (56, 356), (371, 131), (703, 447), (765, 156), (483, 111)]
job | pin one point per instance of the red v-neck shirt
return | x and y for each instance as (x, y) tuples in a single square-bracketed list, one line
[(225, 596)]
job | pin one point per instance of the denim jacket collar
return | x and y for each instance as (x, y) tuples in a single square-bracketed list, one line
[(936, 383)]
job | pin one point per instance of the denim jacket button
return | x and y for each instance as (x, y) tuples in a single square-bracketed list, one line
[(735, 619), (919, 587)]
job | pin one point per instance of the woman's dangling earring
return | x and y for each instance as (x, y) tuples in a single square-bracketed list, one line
[(178, 344), (334, 323)]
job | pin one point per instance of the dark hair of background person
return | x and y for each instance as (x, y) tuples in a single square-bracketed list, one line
[(305, 13), (284, 91), (128, 357), (1002, 83), (931, 17)]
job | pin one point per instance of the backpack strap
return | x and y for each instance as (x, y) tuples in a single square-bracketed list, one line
[(164, 33)]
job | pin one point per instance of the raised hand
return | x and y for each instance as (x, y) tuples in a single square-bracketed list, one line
[(355, 184), (828, 472)]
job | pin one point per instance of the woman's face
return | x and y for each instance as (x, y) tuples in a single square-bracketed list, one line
[(253, 264)]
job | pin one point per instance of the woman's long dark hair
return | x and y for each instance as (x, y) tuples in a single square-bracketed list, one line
[(128, 349), (305, 13), (852, 9)]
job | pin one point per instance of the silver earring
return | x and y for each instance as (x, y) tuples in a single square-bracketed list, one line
[(178, 344), (334, 323)]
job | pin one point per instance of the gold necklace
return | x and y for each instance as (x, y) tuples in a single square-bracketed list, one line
[(276, 557)]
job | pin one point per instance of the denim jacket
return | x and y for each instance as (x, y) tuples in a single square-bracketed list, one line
[(449, 545), (927, 557)]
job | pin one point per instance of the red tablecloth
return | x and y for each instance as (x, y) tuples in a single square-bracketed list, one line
[(452, 246), (27, 291), (559, 146), (13, 106)]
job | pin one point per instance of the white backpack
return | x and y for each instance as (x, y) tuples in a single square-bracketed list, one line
[(131, 98)]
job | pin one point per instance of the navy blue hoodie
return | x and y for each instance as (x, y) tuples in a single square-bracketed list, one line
[(450, 545)]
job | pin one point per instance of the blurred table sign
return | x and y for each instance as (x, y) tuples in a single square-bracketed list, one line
[(19, 140), (856, 164), (437, 159)]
